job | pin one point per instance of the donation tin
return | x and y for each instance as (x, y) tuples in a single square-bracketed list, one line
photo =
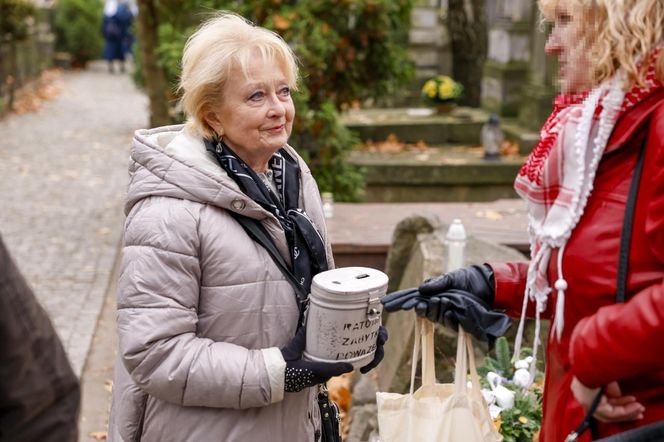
[(344, 315)]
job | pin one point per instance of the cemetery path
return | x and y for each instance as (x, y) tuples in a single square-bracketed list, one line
[(63, 177)]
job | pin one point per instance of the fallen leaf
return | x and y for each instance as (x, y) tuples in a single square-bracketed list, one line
[(31, 97), (99, 435), (421, 145), (489, 214), (103, 231), (339, 391), (509, 148)]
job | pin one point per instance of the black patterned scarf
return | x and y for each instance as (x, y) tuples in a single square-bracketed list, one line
[(305, 243)]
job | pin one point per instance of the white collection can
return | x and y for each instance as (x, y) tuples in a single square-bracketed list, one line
[(344, 315)]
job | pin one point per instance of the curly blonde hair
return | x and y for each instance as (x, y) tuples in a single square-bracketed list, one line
[(225, 41), (617, 34)]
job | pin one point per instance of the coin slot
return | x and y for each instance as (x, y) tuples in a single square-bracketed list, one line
[(362, 276)]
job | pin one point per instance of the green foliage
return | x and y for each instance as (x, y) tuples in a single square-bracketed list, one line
[(522, 422), (349, 51), (502, 362), (15, 16), (328, 140), (78, 29), (169, 51), (503, 357)]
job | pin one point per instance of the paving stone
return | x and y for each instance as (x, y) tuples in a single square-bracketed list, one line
[(63, 178)]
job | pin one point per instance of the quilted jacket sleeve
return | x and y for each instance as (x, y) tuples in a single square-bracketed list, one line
[(625, 339), (158, 295)]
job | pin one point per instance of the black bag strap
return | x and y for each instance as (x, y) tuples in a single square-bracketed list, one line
[(329, 411), (626, 235), (621, 285), (257, 232)]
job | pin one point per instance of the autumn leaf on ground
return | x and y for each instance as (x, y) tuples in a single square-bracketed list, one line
[(489, 214), (392, 144), (31, 97), (99, 435), (108, 385), (421, 145), (509, 148), (339, 391)]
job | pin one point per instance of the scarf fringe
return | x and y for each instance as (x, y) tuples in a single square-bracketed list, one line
[(538, 289)]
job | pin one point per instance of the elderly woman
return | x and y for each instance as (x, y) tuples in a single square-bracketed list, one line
[(207, 321), (576, 184)]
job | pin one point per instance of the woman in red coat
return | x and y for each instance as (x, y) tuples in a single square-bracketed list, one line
[(575, 183)]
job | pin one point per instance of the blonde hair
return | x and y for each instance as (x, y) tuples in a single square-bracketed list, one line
[(221, 43), (617, 34)]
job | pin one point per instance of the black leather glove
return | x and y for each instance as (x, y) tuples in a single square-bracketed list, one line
[(380, 351), (458, 307), (475, 279), (461, 297), (300, 373), (401, 300)]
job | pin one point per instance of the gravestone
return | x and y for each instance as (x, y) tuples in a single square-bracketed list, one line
[(506, 68), (429, 44), (417, 252), (538, 93)]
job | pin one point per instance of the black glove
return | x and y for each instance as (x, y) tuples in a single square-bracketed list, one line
[(464, 296), (300, 373), (401, 300), (380, 351), (476, 279), (458, 307)]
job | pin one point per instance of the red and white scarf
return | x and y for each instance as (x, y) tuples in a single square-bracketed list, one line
[(558, 176)]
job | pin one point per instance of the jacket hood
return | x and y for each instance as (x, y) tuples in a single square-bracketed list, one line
[(167, 161)]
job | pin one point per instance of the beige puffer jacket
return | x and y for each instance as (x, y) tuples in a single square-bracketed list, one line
[(202, 308)]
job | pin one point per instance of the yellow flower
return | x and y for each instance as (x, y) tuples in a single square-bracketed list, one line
[(429, 88), (497, 422), (446, 80), (441, 88), (523, 419), (446, 90)]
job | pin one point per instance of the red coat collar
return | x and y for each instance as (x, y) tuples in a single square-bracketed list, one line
[(633, 120)]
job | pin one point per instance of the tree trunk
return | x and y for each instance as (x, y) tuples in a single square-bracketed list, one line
[(467, 26), (156, 84)]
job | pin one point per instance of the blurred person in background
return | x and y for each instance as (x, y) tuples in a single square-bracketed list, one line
[(576, 184), (39, 392), (116, 29)]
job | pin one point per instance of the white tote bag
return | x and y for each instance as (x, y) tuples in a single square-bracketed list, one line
[(437, 412)]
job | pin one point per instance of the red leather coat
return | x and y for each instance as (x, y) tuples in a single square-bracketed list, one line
[(603, 341)]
